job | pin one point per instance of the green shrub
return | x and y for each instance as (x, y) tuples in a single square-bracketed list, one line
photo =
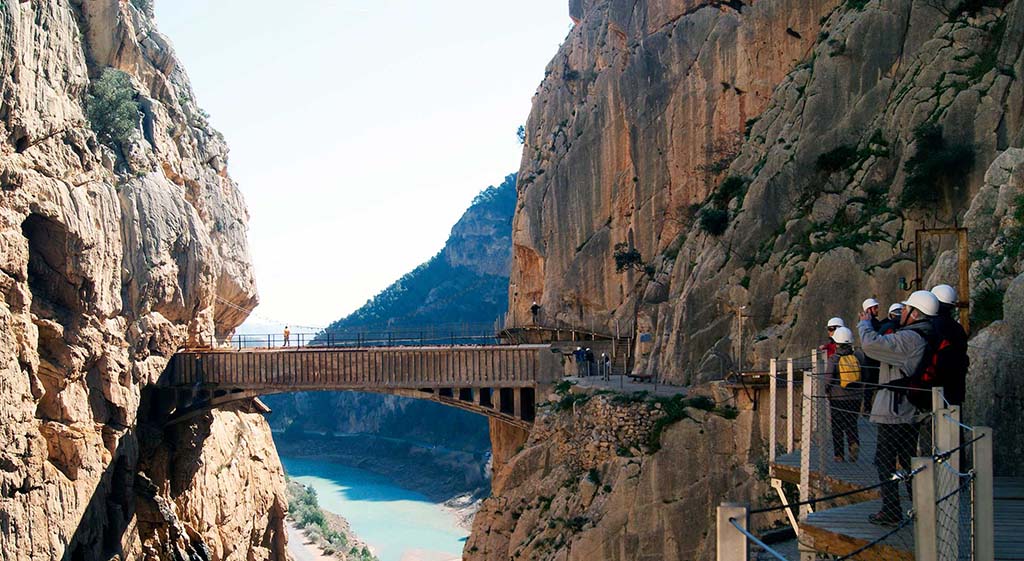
[(934, 167), (987, 307), (111, 107), (714, 221), (733, 187), (627, 257), (837, 159)]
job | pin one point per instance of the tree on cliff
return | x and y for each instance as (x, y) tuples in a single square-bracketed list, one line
[(111, 107)]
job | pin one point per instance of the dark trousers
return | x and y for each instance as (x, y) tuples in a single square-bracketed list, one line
[(896, 444), (844, 424)]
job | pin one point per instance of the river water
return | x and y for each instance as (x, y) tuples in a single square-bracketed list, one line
[(400, 525)]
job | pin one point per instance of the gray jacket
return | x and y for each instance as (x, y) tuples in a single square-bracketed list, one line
[(899, 353)]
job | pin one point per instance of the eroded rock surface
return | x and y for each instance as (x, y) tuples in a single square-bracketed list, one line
[(113, 255), (756, 154)]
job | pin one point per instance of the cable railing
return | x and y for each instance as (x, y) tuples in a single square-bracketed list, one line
[(877, 478)]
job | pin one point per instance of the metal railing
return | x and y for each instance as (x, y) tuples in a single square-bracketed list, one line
[(426, 337), (852, 462)]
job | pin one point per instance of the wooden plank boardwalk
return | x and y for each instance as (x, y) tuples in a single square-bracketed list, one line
[(1009, 518), (842, 530)]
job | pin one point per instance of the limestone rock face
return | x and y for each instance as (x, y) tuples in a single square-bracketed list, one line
[(755, 154), (114, 255), (585, 487)]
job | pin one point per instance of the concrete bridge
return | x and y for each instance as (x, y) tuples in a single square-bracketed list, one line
[(501, 382)]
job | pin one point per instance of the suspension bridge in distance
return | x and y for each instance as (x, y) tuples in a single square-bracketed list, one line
[(499, 381)]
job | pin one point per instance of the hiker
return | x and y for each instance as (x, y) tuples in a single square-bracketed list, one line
[(871, 307), (954, 384), (607, 366), (842, 379), (580, 356), (869, 366), (830, 346), (590, 362), (287, 335), (901, 354), (892, 322), (534, 310)]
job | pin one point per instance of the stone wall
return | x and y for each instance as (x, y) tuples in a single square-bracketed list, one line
[(587, 485)]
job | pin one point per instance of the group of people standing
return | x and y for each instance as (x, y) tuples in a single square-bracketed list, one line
[(587, 365), (918, 346)]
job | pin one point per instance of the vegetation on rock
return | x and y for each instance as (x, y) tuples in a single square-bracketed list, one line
[(936, 167), (111, 107), (328, 531)]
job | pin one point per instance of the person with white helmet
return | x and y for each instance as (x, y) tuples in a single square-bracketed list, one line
[(901, 353), (580, 356), (830, 346), (844, 390), (871, 307), (956, 361)]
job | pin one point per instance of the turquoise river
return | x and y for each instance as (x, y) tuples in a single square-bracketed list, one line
[(400, 525)]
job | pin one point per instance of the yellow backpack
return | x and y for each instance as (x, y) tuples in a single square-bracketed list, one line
[(849, 370)]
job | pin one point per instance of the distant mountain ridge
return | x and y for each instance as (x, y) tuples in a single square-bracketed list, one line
[(466, 282)]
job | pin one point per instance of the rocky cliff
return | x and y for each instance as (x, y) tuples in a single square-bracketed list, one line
[(124, 238), (778, 155), (619, 478)]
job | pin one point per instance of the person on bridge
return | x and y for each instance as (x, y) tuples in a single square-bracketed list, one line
[(901, 353), (949, 329), (287, 335), (869, 366), (831, 326), (534, 310), (590, 362), (842, 385)]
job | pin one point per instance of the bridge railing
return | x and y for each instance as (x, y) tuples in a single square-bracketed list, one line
[(846, 459), (399, 338)]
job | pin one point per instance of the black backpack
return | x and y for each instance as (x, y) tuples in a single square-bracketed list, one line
[(943, 364)]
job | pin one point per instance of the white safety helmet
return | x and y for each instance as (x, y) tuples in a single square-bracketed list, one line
[(897, 307), (836, 322), (945, 293), (869, 303), (843, 335), (924, 301)]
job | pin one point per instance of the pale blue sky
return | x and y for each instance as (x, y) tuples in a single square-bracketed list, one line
[(360, 130)]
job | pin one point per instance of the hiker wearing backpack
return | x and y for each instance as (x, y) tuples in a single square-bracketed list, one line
[(952, 372), (844, 390), (902, 354)]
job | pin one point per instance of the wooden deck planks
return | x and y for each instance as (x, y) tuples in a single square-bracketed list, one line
[(1009, 518), (842, 530)]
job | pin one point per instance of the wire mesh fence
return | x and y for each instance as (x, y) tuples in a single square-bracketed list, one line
[(860, 449)]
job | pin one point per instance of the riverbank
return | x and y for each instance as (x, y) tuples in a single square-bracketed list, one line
[(322, 534), (457, 479), (399, 524)]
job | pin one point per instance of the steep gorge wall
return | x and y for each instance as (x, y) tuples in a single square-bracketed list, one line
[(588, 485), (649, 107), (112, 257)]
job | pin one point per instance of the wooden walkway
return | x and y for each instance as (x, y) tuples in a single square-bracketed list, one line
[(1009, 516), (843, 529), (498, 381)]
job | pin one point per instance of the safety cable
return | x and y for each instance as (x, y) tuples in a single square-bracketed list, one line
[(756, 540), (896, 477), (902, 524)]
